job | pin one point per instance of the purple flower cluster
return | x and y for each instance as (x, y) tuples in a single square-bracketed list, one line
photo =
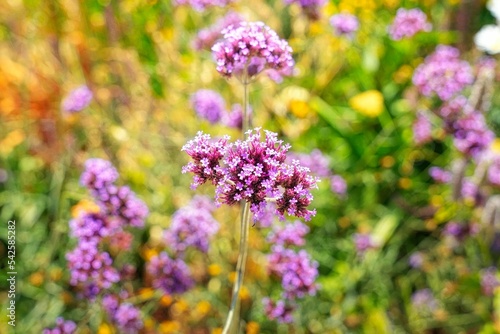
[(318, 164), (456, 233), (443, 73), (250, 48), (451, 110), (298, 273), (125, 315), (489, 280), (416, 260), (344, 24), (170, 275), (62, 327), (121, 202), (494, 171), (207, 37), (119, 208), (291, 234), (407, 23), (422, 130), (423, 300), (440, 175), (363, 242), (234, 118), (310, 7), (253, 171), (192, 226), (77, 99), (202, 5), (471, 134), (209, 105)]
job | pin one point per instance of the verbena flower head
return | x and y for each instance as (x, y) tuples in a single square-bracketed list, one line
[(452, 109), (77, 100), (128, 319), (489, 280), (234, 118), (407, 23), (250, 48), (363, 242), (92, 226), (422, 129), (298, 272), (423, 300), (280, 310), (338, 185), (311, 8), (440, 175), (316, 161), (291, 234), (98, 174), (90, 266), (443, 73), (416, 260), (202, 5), (471, 134), (62, 327), (254, 171), (192, 226), (494, 171), (344, 24), (207, 37), (170, 275), (488, 39), (209, 105)]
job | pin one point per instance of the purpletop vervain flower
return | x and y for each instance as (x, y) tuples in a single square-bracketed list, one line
[(443, 73), (344, 24), (250, 48), (310, 7), (416, 260), (62, 327), (191, 226), (489, 280), (471, 135), (207, 37), (280, 310), (170, 275), (209, 105), (494, 171), (407, 23), (338, 185), (364, 242), (316, 161), (422, 129), (291, 234), (128, 319), (253, 171), (77, 99), (93, 226), (234, 118), (440, 175), (423, 300), (98, 174), (298, 272)]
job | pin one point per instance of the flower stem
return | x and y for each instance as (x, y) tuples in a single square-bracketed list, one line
[(246, 113), (232, 321)]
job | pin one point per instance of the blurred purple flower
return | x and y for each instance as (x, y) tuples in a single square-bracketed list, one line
[(364, 242), (248, 49), (170, 275), (494, 171), (291, 234), (344, 24), (443, 73), (128, 319), (416, 260), (207, 37), (97, 175), (77, 99), (62, 327), (472, 135), (202, 5), (209, 105), (407, 23), (279, 310), (489, 280), (338, 185), (192, 226), (316, 161), (234, 118), (423, 300), (440, 175), (422, 129)]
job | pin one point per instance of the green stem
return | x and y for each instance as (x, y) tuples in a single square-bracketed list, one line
[(232, 321), (246, 114)]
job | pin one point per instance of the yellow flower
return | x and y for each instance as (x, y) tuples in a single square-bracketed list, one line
[(495, 145), (369, 103), (167, 327)]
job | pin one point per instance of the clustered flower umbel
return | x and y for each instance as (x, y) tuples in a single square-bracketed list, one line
[(62, 327), (295, 268), (202, 5), (344, 24), (250, 48), (407, 23), (443, 73), (311, 8), (126, 316), (77, 99), (252, 170), (210, 105), (192, 227), (119, 208)]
